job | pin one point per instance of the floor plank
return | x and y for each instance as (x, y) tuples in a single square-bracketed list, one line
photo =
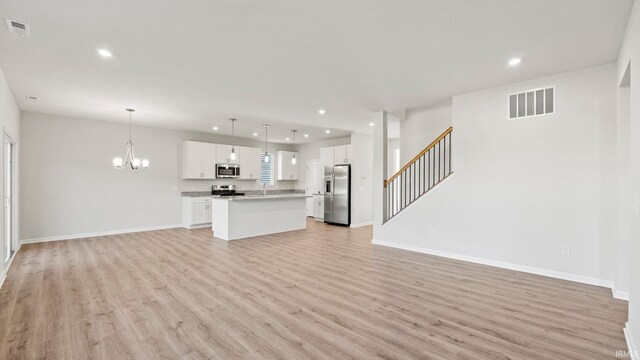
[(322, 293)]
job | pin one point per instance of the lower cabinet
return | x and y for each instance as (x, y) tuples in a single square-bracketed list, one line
[(318, 207), (196, 212)]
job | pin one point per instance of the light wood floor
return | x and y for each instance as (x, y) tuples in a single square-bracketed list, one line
[(323, 293)]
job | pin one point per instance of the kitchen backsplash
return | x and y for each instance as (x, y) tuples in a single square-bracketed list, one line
[(242, 185)]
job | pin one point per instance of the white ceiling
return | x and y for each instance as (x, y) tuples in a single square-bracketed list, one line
[(194, 64)]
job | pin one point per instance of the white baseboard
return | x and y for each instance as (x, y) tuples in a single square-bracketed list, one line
[(99, 233), (191, 227), (361, 224), (500, 264), (633, 353), (619, 294)]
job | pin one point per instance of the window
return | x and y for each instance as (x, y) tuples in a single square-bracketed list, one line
[(266, 170), (534, 102)]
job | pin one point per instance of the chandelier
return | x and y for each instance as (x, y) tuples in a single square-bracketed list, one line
[(130, 158)]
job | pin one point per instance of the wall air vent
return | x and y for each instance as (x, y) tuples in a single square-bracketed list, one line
[(534, 102), (19, 28)]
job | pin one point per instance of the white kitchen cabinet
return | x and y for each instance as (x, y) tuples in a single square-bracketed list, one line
[(326, 157), (198, 160), (318, 207), (196, 212), (209, 160), (223, 154), (249, 163), (336, 155), (287, 170), (309, 206), (342, 154)]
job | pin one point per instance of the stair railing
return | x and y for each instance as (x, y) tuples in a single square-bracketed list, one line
[(426, 170)]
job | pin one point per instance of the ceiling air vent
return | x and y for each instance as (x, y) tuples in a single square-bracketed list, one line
[(534, 102), (19, 28)]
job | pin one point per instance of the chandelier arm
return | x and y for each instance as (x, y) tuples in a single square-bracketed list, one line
[(130, 155)]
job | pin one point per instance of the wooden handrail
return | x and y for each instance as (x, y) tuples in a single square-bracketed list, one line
[(415, 158)]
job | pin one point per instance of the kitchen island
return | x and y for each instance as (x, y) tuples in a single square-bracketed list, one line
[(238, 217)]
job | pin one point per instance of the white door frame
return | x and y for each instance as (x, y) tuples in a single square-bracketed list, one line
[(308, 191), (12, 208)]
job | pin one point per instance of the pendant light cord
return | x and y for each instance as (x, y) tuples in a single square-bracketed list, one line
[(233, 132)]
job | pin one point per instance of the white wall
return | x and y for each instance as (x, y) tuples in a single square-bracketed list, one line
[(311, 151), (630, 195), (421, 126), (523, 188), (10, 122), (392, 146), (69, 186), (361, 178)]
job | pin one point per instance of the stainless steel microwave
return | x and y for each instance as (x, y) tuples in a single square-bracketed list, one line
[(227, 170)]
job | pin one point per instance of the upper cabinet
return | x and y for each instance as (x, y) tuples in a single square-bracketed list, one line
[(326, 157), (287, 170), (336, 155), (249, 163), (342, 154), (223, 154), (198, 160)]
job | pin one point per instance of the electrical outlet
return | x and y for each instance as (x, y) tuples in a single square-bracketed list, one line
[(432, 232), (565, 250)]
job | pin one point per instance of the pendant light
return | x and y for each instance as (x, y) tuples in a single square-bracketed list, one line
[(266, 143), (293, 159), (233, 135), (130, 158)]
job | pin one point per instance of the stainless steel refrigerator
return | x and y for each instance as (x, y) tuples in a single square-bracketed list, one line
[(337, 195)]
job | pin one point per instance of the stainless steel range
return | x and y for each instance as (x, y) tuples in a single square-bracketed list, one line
[(225, 190)]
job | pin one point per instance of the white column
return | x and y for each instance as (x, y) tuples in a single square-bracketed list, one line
[(380, 143)]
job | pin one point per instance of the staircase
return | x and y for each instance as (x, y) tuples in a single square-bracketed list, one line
[(426, 170)]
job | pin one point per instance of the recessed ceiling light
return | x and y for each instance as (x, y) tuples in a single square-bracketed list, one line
[(322, 111), (515, 61), (287, 139), (306, 135), (255, 134), (105, 53), (328, 131), (371, 124), (215, 128)]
